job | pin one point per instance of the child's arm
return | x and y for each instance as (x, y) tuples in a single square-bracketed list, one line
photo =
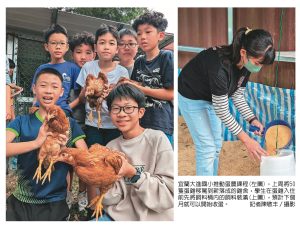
[(23, 147), (81, 97), (74, 103), (81, 144), (8, 96), (159, 93)]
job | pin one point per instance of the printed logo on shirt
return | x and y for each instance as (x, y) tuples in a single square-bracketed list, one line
[(156, 70), (153, 81), (66, 78)]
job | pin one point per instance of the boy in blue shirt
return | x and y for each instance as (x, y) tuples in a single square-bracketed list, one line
[(31, 200), (154, 71), (56, 43)]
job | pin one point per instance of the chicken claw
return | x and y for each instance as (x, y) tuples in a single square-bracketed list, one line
[(48, 173), (38, 172), (97, 201)]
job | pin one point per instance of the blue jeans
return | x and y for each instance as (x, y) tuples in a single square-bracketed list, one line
[(206, 131)]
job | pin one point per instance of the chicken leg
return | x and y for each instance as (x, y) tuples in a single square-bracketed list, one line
[(38, 172), (90, 116), (99, 119), (97, 201)]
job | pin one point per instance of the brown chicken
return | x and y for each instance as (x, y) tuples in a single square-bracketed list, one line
[(98, 167), (95, 87), (57, 123)]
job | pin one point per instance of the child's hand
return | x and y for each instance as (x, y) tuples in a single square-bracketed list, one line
[(124, 80), (107, 90), (82, 95), (8, 114), (42, 135), (62, 140), (127, 170)]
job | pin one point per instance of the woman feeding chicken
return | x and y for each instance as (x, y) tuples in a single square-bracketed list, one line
[(205, 84)]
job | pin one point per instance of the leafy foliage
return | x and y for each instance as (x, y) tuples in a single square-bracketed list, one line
[(123, 15)]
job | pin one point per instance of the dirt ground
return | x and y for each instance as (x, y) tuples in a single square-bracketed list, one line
[(234, 160)]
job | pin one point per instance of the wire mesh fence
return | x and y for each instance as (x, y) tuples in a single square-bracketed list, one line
[(30, 55)]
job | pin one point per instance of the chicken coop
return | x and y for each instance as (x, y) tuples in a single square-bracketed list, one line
[(273, 87), (24, 42)]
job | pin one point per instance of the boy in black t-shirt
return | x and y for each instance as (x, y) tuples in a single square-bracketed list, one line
[(154, 72)]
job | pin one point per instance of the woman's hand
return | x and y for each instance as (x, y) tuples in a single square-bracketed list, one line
[(259, 125), (253, 147)]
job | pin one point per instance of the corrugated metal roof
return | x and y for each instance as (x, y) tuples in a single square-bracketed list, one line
[(33, 19), (37, 20)]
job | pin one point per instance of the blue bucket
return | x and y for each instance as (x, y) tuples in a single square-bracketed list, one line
[(274, 123)]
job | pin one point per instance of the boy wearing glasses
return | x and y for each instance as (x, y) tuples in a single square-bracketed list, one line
[(128, 48), (147, 195), (56, 43), (154, 71)]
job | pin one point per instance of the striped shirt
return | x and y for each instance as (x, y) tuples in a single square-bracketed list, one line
[(221, 106)]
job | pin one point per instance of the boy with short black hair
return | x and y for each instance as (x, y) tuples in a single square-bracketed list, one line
[(30, 200), (154, 71), (56, 43), (128, 48), (148, 194)]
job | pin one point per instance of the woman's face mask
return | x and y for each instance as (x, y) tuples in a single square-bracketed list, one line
[(252, 68)]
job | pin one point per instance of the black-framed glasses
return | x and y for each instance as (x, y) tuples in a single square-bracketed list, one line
[(54, 43), (128, 109), (129, 45)]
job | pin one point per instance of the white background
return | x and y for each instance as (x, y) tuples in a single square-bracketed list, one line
[(236, 213)]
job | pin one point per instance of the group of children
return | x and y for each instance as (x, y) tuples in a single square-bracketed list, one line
[(137, 118)]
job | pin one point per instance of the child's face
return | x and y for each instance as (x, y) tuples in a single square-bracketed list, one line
[(148, 37), (106, 47), (83, 53), (129, 120), (48, 89), (57, 46), (127, 48)]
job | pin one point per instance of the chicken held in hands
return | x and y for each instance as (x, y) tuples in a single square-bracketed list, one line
[(58, 124), (98, 167), (94, 90)]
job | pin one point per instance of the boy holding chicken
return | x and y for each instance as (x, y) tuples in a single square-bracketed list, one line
[(30, 200), (148, 193)]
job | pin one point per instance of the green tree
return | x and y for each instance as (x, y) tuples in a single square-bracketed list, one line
[(123, 15)]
